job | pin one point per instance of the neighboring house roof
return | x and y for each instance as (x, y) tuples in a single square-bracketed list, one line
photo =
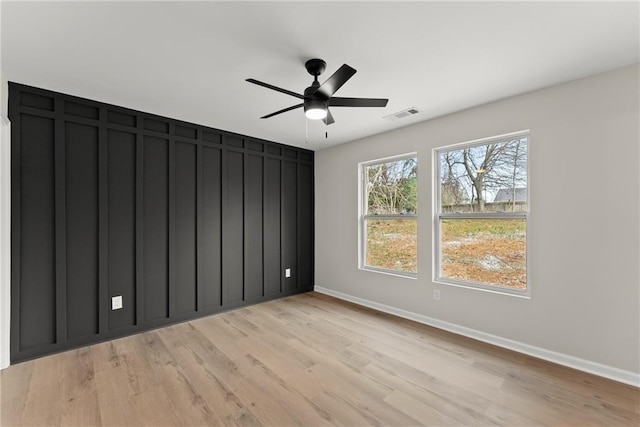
[(506, 195)]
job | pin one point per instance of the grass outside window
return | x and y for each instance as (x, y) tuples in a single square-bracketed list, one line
[(392, 244), (487, 251)]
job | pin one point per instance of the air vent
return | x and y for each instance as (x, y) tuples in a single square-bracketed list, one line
[(402, 114)]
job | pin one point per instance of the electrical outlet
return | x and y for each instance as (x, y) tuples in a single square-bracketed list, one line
[(287, 272), (116, 302), (436, 294)]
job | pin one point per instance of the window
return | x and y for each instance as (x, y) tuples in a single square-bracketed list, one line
[(388, 220), (481, 218)]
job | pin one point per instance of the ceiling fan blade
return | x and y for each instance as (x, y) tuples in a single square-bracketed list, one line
[(282, 111), (335, 82), (276, 88), (358, 102), (329, 119)]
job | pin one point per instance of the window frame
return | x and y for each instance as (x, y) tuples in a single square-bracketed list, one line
[(438, 216), (363, 216)]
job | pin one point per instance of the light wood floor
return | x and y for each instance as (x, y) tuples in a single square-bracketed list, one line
[(306, 360)]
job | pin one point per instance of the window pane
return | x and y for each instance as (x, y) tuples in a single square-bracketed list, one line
[(485, 251), (392, 244), (391, 187), (485, 178)]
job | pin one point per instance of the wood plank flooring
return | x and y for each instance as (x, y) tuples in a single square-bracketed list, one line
[(307, 360)]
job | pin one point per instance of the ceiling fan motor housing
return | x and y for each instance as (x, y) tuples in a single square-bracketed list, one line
[(315, 66)]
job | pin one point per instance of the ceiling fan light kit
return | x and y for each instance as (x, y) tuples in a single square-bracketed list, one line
[(315, 109), (318, 97)]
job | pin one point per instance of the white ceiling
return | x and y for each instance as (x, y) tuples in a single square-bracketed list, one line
[(189, 60)]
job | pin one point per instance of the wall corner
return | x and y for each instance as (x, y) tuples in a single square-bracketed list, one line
[(5, 225)]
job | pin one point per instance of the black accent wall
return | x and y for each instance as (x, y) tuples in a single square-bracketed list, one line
[(179, 219)]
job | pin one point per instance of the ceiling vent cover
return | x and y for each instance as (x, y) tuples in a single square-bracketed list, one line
[(402, 114)]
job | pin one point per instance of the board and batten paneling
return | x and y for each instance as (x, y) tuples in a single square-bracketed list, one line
[(178, 219)]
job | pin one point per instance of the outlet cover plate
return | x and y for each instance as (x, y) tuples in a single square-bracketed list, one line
[(116, 302), (287, 272)]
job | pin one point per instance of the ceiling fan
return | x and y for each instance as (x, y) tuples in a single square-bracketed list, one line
[(318, 97)]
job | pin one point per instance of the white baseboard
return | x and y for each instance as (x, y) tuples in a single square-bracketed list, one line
[(595, 368)]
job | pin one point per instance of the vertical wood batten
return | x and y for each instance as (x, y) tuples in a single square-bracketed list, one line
[(245, 198), (16, 223), (298, 229), (282, 267), (60, 221), (171, 205), (104, 303), (264, 210), (199, 222), (223, 197), (139, 222)]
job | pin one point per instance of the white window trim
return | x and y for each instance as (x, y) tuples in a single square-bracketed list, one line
[(362, 217), (438, 216)]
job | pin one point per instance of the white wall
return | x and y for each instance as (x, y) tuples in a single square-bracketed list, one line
[(5, 203), (583, 231), (5, 220)]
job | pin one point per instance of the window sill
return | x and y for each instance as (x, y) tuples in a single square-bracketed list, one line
[(493, 290), (404, 275)]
